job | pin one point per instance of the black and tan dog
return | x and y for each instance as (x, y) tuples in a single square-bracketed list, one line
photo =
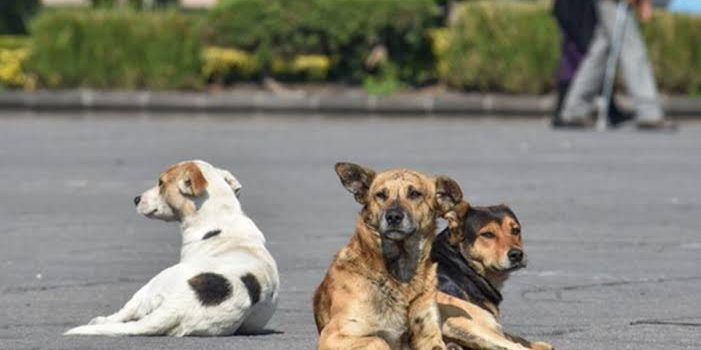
[(380, 291), (475, 255)]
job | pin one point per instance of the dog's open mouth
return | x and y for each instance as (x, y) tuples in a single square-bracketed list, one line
[(151, 213)]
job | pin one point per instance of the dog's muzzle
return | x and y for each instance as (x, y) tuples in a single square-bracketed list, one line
[(396, 235), (396, 225), (515, 256), (517, 259)]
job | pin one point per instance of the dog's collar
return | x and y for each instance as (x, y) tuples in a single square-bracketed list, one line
[(455, 267)]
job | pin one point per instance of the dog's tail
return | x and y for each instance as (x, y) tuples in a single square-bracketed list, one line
[(161, 321)]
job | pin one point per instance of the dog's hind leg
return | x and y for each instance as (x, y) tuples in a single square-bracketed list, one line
[(161, 321), (145, 300), (140, 305)]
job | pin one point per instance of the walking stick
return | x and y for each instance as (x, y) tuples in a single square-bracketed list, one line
[(619, 31)]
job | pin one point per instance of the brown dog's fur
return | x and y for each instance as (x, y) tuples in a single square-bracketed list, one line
[(483, 236), (379, 293), (179, 184)]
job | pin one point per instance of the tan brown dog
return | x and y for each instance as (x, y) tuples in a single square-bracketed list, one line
[(475, 255), (379, 292)]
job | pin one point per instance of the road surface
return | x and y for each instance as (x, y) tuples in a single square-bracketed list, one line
[(611, 220)]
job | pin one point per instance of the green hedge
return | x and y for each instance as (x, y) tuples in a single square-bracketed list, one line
[(514, 47), (491, 46), (15, 14), (505, 46), (344, 30), (674, 47), (116, 49), (10, 42)]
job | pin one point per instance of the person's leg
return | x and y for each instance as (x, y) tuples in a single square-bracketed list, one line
[(637, 73), (565, 73), (562, 87), (586, 86)]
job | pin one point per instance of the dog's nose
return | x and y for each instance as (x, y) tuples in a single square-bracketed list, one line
[(394, 216), (137, 199), (515, 255)]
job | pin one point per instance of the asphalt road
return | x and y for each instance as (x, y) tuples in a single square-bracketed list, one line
[(611, 220)]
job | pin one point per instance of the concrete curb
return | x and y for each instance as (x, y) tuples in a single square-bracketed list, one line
[(354, 101)]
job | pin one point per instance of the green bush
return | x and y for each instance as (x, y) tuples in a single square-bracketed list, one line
[(505, 46), (674, 47), (15, 14), (344, 30), (514, 47), (14, 42), (490, 46), (116, 49)]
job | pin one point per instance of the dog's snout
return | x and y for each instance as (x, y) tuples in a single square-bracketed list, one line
[(137, 200), (394, 216), (515, 255)]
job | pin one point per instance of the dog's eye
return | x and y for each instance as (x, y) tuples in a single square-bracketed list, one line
[(414, 194), (516, 231), (488, 235), (160, 182), (381, 195)]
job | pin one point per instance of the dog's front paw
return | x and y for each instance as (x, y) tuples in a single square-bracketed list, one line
[(99, 320), (539, 345)]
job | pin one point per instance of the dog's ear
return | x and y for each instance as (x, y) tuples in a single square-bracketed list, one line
[(456, 219), (231, 180), (507, 209), (448, 194), (356, 179), (192, 182)]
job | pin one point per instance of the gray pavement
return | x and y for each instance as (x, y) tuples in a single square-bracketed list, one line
[(611, 220)]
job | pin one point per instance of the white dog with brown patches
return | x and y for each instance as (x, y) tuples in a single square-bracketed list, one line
[(226, 282)]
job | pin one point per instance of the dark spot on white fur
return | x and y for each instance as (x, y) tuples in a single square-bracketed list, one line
[(211, 288), (211, 234), (252, 286)]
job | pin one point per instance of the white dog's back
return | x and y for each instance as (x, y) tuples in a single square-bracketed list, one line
[(226, 283)]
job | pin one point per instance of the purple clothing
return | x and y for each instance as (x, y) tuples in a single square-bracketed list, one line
[(570, 59)]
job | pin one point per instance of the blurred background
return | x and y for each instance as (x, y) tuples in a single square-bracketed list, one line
[(381, 46)]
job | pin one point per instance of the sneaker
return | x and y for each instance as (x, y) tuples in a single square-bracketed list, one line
[(618, 116)]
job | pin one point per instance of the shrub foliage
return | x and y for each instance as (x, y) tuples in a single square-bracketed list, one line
[(490, 46), (15, 14), (511, 46), (674, 47), (344, 30), (501, 46), (116, 49)]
